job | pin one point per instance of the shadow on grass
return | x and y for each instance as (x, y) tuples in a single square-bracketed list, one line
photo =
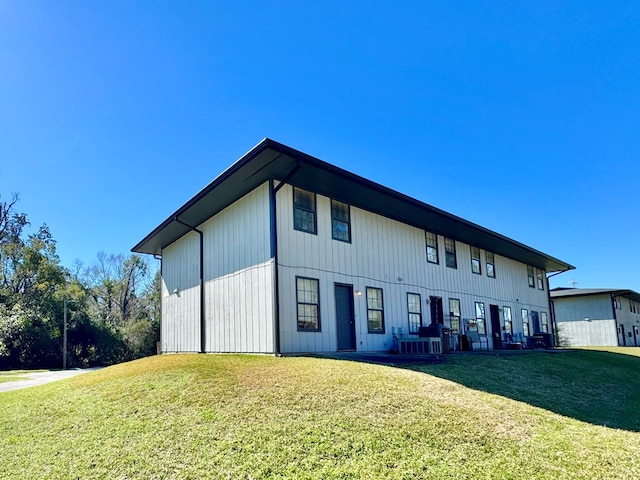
[(600, 388), (597, 387)]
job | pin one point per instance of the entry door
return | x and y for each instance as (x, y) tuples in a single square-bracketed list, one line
[(344, 317), (535, 319), (496, 331), (436, 310), (622, 341)]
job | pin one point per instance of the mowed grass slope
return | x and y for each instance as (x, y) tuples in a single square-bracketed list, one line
[(234, 416)]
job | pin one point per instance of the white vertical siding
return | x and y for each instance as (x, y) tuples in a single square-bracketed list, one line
[(629, 320), (239, 276), (238, 273), (585, 320), (180, 326), (390, 255)]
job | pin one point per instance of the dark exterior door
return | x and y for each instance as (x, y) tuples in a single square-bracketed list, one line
[(344, 317), (535, 320), (436, 310), (496, 330)]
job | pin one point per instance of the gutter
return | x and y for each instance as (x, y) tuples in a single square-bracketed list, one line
[(203, 338)]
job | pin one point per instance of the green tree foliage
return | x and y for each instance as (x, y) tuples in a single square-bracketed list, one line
[(113, 306)]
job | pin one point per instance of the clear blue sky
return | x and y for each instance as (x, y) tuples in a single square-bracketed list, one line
[(521, 117)]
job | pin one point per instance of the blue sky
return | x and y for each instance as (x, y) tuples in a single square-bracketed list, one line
[(521, 117)]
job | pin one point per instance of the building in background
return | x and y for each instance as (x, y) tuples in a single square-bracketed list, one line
[(597, 316), (285, 253)]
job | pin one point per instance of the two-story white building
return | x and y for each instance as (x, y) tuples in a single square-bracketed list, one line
[(597, 316), (285, 253)]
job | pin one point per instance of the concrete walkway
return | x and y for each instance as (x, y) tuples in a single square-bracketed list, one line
[(40, 378)]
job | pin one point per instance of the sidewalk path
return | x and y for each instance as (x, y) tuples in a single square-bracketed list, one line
[(40, 378)]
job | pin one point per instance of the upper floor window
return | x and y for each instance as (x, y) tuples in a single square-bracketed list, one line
[(540, 276), (304, 210), (308, 300), (525, 322), (375, 310), (340, 221), (450, 253), (531, 277), (414, 306), (491, 269), (475, 260), (432, 247), (544, 321)]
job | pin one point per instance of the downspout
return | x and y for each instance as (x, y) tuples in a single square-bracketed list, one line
[(274, 251), (552, 310), (615, 321), (203, 337)]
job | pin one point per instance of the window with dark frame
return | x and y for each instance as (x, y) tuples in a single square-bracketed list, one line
[(432, 247), (340, 221), (450, 253), (525, 322), (544, 322), (375, 310), (480, 318), (491, 267), (304, 210), (308, 300), (540, 277), (414, 307), (508, 324), (475, 261), (531, 277), (455, 315)]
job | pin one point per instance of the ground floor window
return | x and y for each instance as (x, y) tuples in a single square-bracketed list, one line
[(375, 310), (508, 325), (454, 315), (544, 322), (414, 306), (525, 322), (480, 318), (308, 300)]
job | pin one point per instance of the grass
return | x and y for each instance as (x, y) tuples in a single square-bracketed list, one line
[(13, 375), (248, 417)]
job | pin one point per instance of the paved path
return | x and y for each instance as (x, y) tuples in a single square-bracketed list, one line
[(40, 378)]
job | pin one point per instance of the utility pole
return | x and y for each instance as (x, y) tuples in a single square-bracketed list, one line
[(64, 337)]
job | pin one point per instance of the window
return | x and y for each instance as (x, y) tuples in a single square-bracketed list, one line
[(532, 281), (482, 329), (414, 307), (525, 322), (540, 275), (304, 210), (450, 253), (544, 320), (375, 312), (454, 313), (491, 268), (432, 247), (475, 260), (340, 221), (508, 325), (307, 297)]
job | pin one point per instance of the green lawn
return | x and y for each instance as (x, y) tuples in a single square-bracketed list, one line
[(538, 415), (13, 375)]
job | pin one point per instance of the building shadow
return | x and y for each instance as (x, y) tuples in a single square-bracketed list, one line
[(597, 387)]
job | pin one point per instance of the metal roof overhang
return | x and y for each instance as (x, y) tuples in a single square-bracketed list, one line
[(583, 292), (273, 160)]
